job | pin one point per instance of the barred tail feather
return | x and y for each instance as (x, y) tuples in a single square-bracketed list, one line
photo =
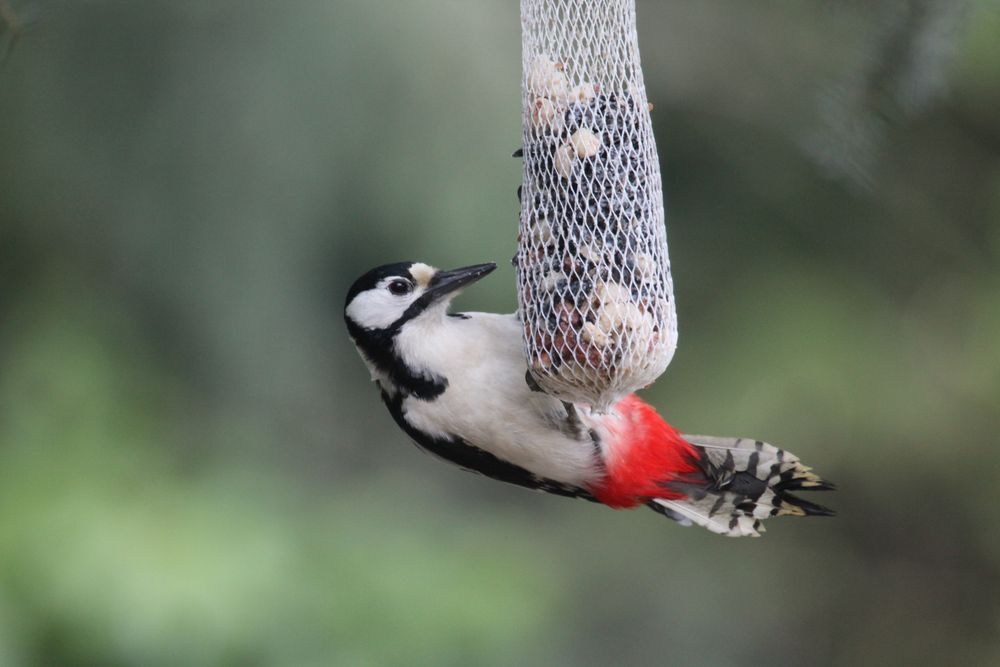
[(745, 481)]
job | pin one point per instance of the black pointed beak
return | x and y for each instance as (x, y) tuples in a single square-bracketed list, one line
[(446, 282)]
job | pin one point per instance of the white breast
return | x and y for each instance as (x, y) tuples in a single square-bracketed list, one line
[(488, 403)]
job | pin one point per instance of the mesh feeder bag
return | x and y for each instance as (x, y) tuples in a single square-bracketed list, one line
[(594, 286)]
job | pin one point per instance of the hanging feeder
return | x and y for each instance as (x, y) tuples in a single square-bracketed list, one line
[(594, 286)]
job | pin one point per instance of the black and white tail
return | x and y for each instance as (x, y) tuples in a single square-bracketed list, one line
[(745, 481)]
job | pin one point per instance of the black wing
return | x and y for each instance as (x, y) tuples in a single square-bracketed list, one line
[(469, 457)]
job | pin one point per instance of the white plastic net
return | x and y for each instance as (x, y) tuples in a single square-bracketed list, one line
[(594, 285)]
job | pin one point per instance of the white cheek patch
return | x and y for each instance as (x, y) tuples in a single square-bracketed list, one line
[(376, 309), (422, 274)]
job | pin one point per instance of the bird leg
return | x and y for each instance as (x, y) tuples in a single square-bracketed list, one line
[(573, 422), (529, 379)]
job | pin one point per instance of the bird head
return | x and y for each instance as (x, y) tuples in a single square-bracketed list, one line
[(383, 300)]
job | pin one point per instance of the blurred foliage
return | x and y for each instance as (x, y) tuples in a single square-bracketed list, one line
[(194, 470), (116, 551)]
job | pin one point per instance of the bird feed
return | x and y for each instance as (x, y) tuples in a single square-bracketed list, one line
[(594, 285)]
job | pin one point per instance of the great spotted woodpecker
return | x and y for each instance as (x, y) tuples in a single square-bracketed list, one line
[(457, 385)]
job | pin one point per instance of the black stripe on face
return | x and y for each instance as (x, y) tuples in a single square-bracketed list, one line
[(378, 348), (441, 285), (377, 344)]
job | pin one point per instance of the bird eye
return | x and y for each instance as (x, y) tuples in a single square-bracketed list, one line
[(400, 287)]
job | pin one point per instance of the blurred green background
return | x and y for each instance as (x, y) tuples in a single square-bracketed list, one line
[(195, 470)]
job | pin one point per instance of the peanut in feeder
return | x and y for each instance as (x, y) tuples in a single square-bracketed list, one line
[(594, 285)]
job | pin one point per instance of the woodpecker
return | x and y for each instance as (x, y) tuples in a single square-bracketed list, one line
[(457, 384)]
